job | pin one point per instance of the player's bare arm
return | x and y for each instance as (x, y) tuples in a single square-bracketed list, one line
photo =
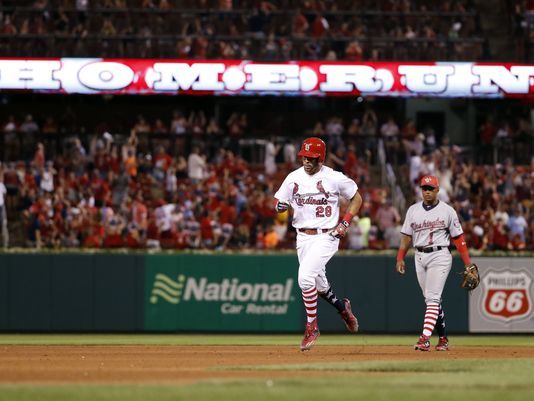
[(354, 206), (406, 241)]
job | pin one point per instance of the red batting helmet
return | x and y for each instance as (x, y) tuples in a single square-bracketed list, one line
[(313, 147)]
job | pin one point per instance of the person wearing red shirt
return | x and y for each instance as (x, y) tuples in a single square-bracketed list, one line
[(247, 218), (206, 229), (300, 25), (93, 239), (320, 26), (227, 212), (350, 167), (140, 214), (29, 179), (162, 161), (11, 181), (114, 230), (487, 133), (133, 238), (114, 161), (39, 157), (99, 187)]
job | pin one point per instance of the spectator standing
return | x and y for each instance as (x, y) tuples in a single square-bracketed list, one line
[(357, 237), (334, 130), (271, 150), (47, 178), (28, 130), (300, 24), (290, 154), (518, 227), (499, 239), (39, 157), (214, 135), (78, 156), (11, 141), (487, 132), (369, 131), (179, 126), (161, 161), (390, 135), (196, 165), (387, 218), (236, 123), (3, 211)]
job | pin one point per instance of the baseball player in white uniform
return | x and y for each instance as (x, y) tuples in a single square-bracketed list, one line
[(431, 224), (313, 191)]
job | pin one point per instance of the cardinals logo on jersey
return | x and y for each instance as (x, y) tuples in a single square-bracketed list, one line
[(295, 189), (321, 189)]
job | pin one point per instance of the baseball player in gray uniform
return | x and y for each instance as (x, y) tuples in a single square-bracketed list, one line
[(313, 191), (431, 224)]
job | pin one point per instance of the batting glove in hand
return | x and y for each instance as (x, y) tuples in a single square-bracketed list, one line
[(341, 230), (282, 207)]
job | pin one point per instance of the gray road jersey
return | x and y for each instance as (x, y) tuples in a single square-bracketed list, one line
[(433, 227)]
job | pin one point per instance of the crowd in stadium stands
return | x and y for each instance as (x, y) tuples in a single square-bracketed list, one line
[(195, 190), (185, 184), (243, 29), (522, 27)]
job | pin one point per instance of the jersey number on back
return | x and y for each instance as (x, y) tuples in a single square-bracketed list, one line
[(321, 211)]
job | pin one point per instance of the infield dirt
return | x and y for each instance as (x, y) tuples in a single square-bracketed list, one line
[(188, 364)]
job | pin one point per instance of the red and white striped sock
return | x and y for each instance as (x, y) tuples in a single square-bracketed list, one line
[(431, 316), (310, 303)]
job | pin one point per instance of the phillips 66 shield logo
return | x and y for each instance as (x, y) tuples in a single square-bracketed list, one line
[(506, 295)]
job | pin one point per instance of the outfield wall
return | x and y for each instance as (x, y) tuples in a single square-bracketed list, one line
[(226, 293)]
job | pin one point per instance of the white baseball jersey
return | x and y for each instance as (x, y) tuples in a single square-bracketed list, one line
[(432, 227), (3, 192), (315, 198)]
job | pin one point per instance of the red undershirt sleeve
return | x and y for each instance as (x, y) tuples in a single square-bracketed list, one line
[(459, 243)]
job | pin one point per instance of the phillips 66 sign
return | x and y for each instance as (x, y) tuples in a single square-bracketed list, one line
[(503, 301), (506, 295)]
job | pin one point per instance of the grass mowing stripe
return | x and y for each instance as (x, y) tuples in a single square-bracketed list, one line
[(252, 339), (502, 384), (430, 366)]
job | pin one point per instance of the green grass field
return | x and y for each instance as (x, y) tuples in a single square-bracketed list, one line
[(448, 378), (250, 339)]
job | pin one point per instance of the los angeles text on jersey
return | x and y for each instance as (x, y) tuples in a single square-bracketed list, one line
[(428, 225)]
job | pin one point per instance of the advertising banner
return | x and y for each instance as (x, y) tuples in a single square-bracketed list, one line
[(221, 294), (503, 301), (245, 77)]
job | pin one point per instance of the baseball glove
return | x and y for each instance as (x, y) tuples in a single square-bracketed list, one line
[(470, 277)]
